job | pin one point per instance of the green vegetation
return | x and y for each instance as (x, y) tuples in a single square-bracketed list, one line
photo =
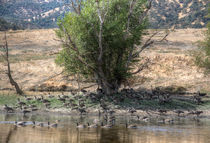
[(203, 57), (4, 25), (101, 42)]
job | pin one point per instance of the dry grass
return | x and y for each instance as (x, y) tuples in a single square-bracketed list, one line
[(33, 61)]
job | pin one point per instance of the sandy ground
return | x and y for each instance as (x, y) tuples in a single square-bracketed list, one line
[(32, 53)]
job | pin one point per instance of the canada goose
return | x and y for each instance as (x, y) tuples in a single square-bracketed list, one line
[(161, 121), (81, 125), (21, 103), (161, 111), (37, 98), (106, 126), (50, 96), (82, 110), (201, 94), (61, 99), (34, 124), (169, 120), (32, 106), (92, 126), (131, 110), (99, 90), (28, 98), (44, 100), (81, 104), (8, 109), (198, 113), (41, 124), (21, 123), (25, 111), (66, 104), (145, 119), (71, 100), (179, 112), (47, 105), (130, 126), (54, 125), (34, 109)]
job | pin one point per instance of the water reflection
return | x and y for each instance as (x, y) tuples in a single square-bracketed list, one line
[(183, 132)]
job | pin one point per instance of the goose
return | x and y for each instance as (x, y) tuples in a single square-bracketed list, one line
[(28, 98), (81, 125), (50, 96), (8, 109), (47, 105), (44, 100), (21, 103), (25, 111), (55, 125), (41, 124), (34, 124), (161, 111), (34, 109), (131, 110), (82, 110), (179, 112), (21, 123), (61, 99), (32, 106), (130, 126), (37, 98), (198, 113), (201, 94), (92, 126), (169, 120), (106, 126)]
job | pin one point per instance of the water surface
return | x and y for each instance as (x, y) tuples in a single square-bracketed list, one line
[(182, 131)]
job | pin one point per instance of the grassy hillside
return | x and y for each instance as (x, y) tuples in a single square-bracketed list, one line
[(164, 13)]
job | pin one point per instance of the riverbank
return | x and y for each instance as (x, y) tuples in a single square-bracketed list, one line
[(127, 102)]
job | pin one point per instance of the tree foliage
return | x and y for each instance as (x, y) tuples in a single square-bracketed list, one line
[(101, 40), (203, 59)]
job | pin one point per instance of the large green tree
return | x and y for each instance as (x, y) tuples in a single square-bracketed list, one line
[(101, 39)]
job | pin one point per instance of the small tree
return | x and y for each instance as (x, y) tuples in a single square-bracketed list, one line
[(101, 39), (5, 56)]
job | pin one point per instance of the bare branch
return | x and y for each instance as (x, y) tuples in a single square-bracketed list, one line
[(142, 67), (146, 44), (75, 5), (144, 14)]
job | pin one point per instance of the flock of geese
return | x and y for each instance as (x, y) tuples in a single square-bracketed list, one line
[(108, 117), (36, 124)]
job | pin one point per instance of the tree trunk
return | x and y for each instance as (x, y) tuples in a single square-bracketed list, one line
[(12, 81)]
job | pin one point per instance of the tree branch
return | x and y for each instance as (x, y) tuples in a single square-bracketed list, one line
[(142, 67), (130, 14), (101, 16), (144, 14), (75, 48)]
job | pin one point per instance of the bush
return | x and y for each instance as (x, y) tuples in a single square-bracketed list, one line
[(203, 57)]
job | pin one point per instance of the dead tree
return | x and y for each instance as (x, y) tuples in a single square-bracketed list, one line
[(5, 56)]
